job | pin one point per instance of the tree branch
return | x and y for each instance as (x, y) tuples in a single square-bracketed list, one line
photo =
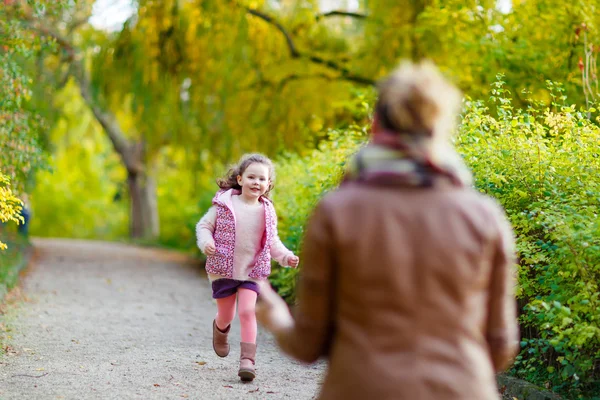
[(283, 83), (288, 38), (106, 119), (47, 32), (76, 24), (294, 53), (338, 13)]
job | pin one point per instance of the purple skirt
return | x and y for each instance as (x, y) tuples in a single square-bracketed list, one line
[(225, 287)]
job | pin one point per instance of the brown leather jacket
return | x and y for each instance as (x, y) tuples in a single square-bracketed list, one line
[(408, 292)]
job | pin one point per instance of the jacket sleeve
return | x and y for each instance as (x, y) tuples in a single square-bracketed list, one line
[(502, 328), (205, 229), (313, 327), (279, 252)]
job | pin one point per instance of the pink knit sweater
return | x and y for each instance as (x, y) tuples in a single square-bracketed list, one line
[(249, 229)]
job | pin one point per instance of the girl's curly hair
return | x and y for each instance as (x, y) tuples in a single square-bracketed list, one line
[(229, 181)]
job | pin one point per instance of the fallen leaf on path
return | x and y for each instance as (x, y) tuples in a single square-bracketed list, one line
[(253, 391), (271, 392), (201, 362), (157, 385), (40, 369), (228, 386)]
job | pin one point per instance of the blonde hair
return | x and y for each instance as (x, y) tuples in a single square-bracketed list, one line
[(229, 181), (416, 99), (421, 106)]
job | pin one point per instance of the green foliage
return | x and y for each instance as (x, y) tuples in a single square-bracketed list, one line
[(302, 181), (543, 164), (19, 152), (83, 195), (10, 205), (184, 194)]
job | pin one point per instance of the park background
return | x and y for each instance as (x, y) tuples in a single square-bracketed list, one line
[(116, 117)]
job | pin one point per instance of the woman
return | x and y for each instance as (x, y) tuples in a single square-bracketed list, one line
[(407, 284)]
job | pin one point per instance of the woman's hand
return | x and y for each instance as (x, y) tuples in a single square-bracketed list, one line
[(271, 310), (293, 261), (210, 249)]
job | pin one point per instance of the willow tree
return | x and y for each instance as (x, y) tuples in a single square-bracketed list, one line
[(69, 61), (218, 78)]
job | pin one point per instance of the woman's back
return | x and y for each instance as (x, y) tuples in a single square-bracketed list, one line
[(407, 283), (412, 278)]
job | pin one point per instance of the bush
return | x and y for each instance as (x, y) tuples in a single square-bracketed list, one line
[(542, 164), (302, 181)]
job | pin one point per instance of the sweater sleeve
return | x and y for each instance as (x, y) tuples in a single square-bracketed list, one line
[(309, 336), (205, 229), (502, 330), (279, 252)]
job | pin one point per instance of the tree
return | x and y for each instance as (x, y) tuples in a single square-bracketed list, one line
[(72, 60), (20, 151)]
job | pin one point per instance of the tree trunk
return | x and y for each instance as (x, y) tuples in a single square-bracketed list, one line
[(144, 222), (143, 215)]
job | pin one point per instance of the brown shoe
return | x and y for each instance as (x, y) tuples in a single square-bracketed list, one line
[(247, 357), (220, 343)]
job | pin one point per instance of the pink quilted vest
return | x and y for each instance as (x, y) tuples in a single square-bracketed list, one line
[(221, 263)]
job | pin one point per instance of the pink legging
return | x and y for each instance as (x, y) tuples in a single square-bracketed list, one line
[(246, 302)]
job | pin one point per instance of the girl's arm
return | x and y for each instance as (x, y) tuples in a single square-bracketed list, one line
[(280, 253), (307, 335), (205, 229)]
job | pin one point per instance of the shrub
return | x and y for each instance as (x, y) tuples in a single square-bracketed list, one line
[(542, 164), (302, 181)]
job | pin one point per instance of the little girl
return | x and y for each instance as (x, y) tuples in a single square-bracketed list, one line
[(239, 236)]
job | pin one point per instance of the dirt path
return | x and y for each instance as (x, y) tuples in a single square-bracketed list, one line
[(109, 321)]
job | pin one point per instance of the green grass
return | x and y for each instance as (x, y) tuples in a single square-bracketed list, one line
[(12, 261)]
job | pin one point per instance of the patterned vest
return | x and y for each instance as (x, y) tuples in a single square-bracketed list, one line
[(221, 263)]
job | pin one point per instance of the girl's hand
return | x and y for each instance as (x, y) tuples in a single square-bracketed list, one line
[(271, 310), (210, 249), (293, 261)]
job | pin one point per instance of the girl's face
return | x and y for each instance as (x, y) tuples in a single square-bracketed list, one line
[(254, 181)]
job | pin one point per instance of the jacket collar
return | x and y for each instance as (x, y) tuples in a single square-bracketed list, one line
[(223, 198)]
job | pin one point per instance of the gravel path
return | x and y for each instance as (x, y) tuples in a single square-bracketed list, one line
[(110, 321)]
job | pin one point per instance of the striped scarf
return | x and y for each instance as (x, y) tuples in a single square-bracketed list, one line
[(400, 165)]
